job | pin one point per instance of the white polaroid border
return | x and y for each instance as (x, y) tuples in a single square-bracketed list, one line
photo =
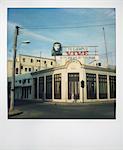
[(38, 134)]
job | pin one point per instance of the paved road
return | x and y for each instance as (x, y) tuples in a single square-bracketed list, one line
[(66, 111)]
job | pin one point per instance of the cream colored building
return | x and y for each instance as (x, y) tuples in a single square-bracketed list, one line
[(63, 84), (63, 79), (26, 63)]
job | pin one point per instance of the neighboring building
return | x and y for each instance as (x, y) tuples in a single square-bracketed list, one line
[(23, 86), (62, 81), (26, 63)]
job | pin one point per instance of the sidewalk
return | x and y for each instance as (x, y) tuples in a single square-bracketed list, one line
[(14, 113), (81, 103)]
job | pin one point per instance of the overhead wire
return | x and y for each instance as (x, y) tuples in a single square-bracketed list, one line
[(66, 27)]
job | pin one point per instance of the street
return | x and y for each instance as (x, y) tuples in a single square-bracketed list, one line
[(95, 110)]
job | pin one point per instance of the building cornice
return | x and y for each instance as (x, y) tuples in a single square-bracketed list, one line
[(36, 57), (99, 68), (82, 66)]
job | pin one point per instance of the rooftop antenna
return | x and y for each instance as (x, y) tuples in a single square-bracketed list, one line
[(105, 47)]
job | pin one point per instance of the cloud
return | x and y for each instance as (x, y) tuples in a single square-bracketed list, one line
[(110, 13), (38, 36), (11, 26)]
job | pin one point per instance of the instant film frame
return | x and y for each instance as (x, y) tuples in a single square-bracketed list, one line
[(37, 80), (60, 134)]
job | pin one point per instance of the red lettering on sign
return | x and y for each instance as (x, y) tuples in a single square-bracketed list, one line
[(77, 53), (85, 53), (68, 53), (74, 53)]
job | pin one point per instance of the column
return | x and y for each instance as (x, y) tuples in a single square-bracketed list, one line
[(97, 84), (83, 98), (19, 66), (64, 86), (108, 87), (81, 77), (32, 93)]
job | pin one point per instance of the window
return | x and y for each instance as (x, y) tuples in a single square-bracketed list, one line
[(91, 86), (57, 86), (112, 82), (73, 86), (41, 87), (44, 62), (19, 81), (38, 60), (35, 87), (28, 80), (23, 59), (25, 69), (26, 91), (29, 69), (102, 86), (51, 63), (49, 87), (16, 70), (24, 81), (21, 67), (31, 60)]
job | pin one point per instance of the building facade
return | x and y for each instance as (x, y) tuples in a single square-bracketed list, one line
[(63, 84), (64, 78), (26, 64)]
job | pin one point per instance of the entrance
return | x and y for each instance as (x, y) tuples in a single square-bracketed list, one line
[(73, 85), (35, 87)]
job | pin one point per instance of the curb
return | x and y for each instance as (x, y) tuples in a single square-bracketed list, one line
[(14, 113)]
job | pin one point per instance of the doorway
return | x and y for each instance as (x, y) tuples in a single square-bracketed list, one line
[(73, 86)]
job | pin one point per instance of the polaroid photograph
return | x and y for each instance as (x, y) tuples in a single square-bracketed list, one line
[(62, 62), (60, 75)]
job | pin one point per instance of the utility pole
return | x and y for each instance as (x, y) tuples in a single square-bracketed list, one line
[(105, 47), (13, 70)]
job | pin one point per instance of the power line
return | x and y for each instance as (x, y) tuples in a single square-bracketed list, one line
[(108, 52), (67, 27)]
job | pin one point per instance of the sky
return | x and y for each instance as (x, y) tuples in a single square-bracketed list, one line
[(69, 26)]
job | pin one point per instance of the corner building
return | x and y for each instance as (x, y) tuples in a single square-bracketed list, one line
[(63, 83), (68, 79)]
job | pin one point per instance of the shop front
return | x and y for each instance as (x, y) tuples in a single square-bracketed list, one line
[(63, 84)]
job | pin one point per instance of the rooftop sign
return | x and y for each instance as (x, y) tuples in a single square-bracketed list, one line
[(59, 50), (75, 48), (75, 51)]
